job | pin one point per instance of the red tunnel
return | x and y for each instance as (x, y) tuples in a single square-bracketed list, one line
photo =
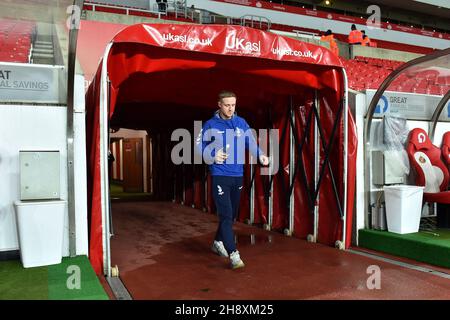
[(164, 77)]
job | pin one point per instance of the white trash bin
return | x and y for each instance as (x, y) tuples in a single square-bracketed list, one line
[(403, 208), (41, 229)]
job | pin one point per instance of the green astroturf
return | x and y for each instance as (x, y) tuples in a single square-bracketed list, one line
[(431, 247), (116, 191), (55, 282)]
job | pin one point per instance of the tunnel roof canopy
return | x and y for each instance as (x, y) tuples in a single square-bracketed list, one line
[(227, 40), (164, 65)]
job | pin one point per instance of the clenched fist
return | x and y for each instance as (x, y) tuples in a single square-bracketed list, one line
[(221, 156), (264, 160)]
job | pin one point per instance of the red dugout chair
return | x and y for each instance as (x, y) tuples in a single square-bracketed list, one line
[(445, 148), (431, 171)]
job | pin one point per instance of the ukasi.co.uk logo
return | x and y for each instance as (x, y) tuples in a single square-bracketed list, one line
[(234, 43)]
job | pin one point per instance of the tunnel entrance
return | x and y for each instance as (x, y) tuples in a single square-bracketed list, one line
[(149, 84)]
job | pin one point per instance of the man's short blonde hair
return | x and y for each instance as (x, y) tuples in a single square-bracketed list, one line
[(226, 94)]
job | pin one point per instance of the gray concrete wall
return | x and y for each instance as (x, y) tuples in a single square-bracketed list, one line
[(383, 53), (343, 49), (142, 4), (303, 38), (151, 5), (124, 19)]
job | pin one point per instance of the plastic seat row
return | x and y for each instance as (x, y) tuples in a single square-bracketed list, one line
[(369, 73), (16, 40)]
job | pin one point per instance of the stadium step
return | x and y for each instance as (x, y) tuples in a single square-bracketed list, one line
[(43, 43), (43, 59), (44, 46), (40, 47), (43, 50)]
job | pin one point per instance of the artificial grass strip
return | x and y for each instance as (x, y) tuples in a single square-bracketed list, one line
[(53, 282), (429, 247), (62, 281), (116, 191), (18, 283)]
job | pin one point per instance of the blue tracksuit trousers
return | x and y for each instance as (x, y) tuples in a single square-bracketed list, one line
[(226, 193)]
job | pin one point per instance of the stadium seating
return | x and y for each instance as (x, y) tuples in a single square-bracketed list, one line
[(344, 38), (363, 72), (122, 9), (15, 40), (369, 73)]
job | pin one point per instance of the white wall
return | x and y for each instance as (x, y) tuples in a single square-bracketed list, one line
[(24, 127), (357, 102), (80, 175), (127, 133), (292, 19)]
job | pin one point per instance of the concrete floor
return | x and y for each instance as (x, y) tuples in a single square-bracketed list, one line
[(163, 252)]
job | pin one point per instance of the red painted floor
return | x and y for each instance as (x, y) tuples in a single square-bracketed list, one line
[(163, 252)]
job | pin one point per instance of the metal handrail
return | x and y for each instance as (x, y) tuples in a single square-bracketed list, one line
[(252, 19), (437, 113), (127, 9), (298, 32)]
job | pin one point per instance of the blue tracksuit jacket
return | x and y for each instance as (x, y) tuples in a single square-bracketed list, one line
[(234, 136)]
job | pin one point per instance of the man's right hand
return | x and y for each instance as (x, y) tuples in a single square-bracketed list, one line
[(264, 160), (221, 156)]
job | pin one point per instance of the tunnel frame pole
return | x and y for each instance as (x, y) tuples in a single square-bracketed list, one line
[(111, 225), (174, 200), (291, 167), (71, 72), (316, 167), (193, 187), (270, 215), (104, 179), (345, 155), (252, 191), (205, 203), (183, 184)]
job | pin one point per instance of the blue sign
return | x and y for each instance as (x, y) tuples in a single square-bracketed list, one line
[(383, 105)]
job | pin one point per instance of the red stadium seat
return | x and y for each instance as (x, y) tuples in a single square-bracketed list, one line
[(431, 171), (445, 148), (435, 90), (364, 73), (15, 40)]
